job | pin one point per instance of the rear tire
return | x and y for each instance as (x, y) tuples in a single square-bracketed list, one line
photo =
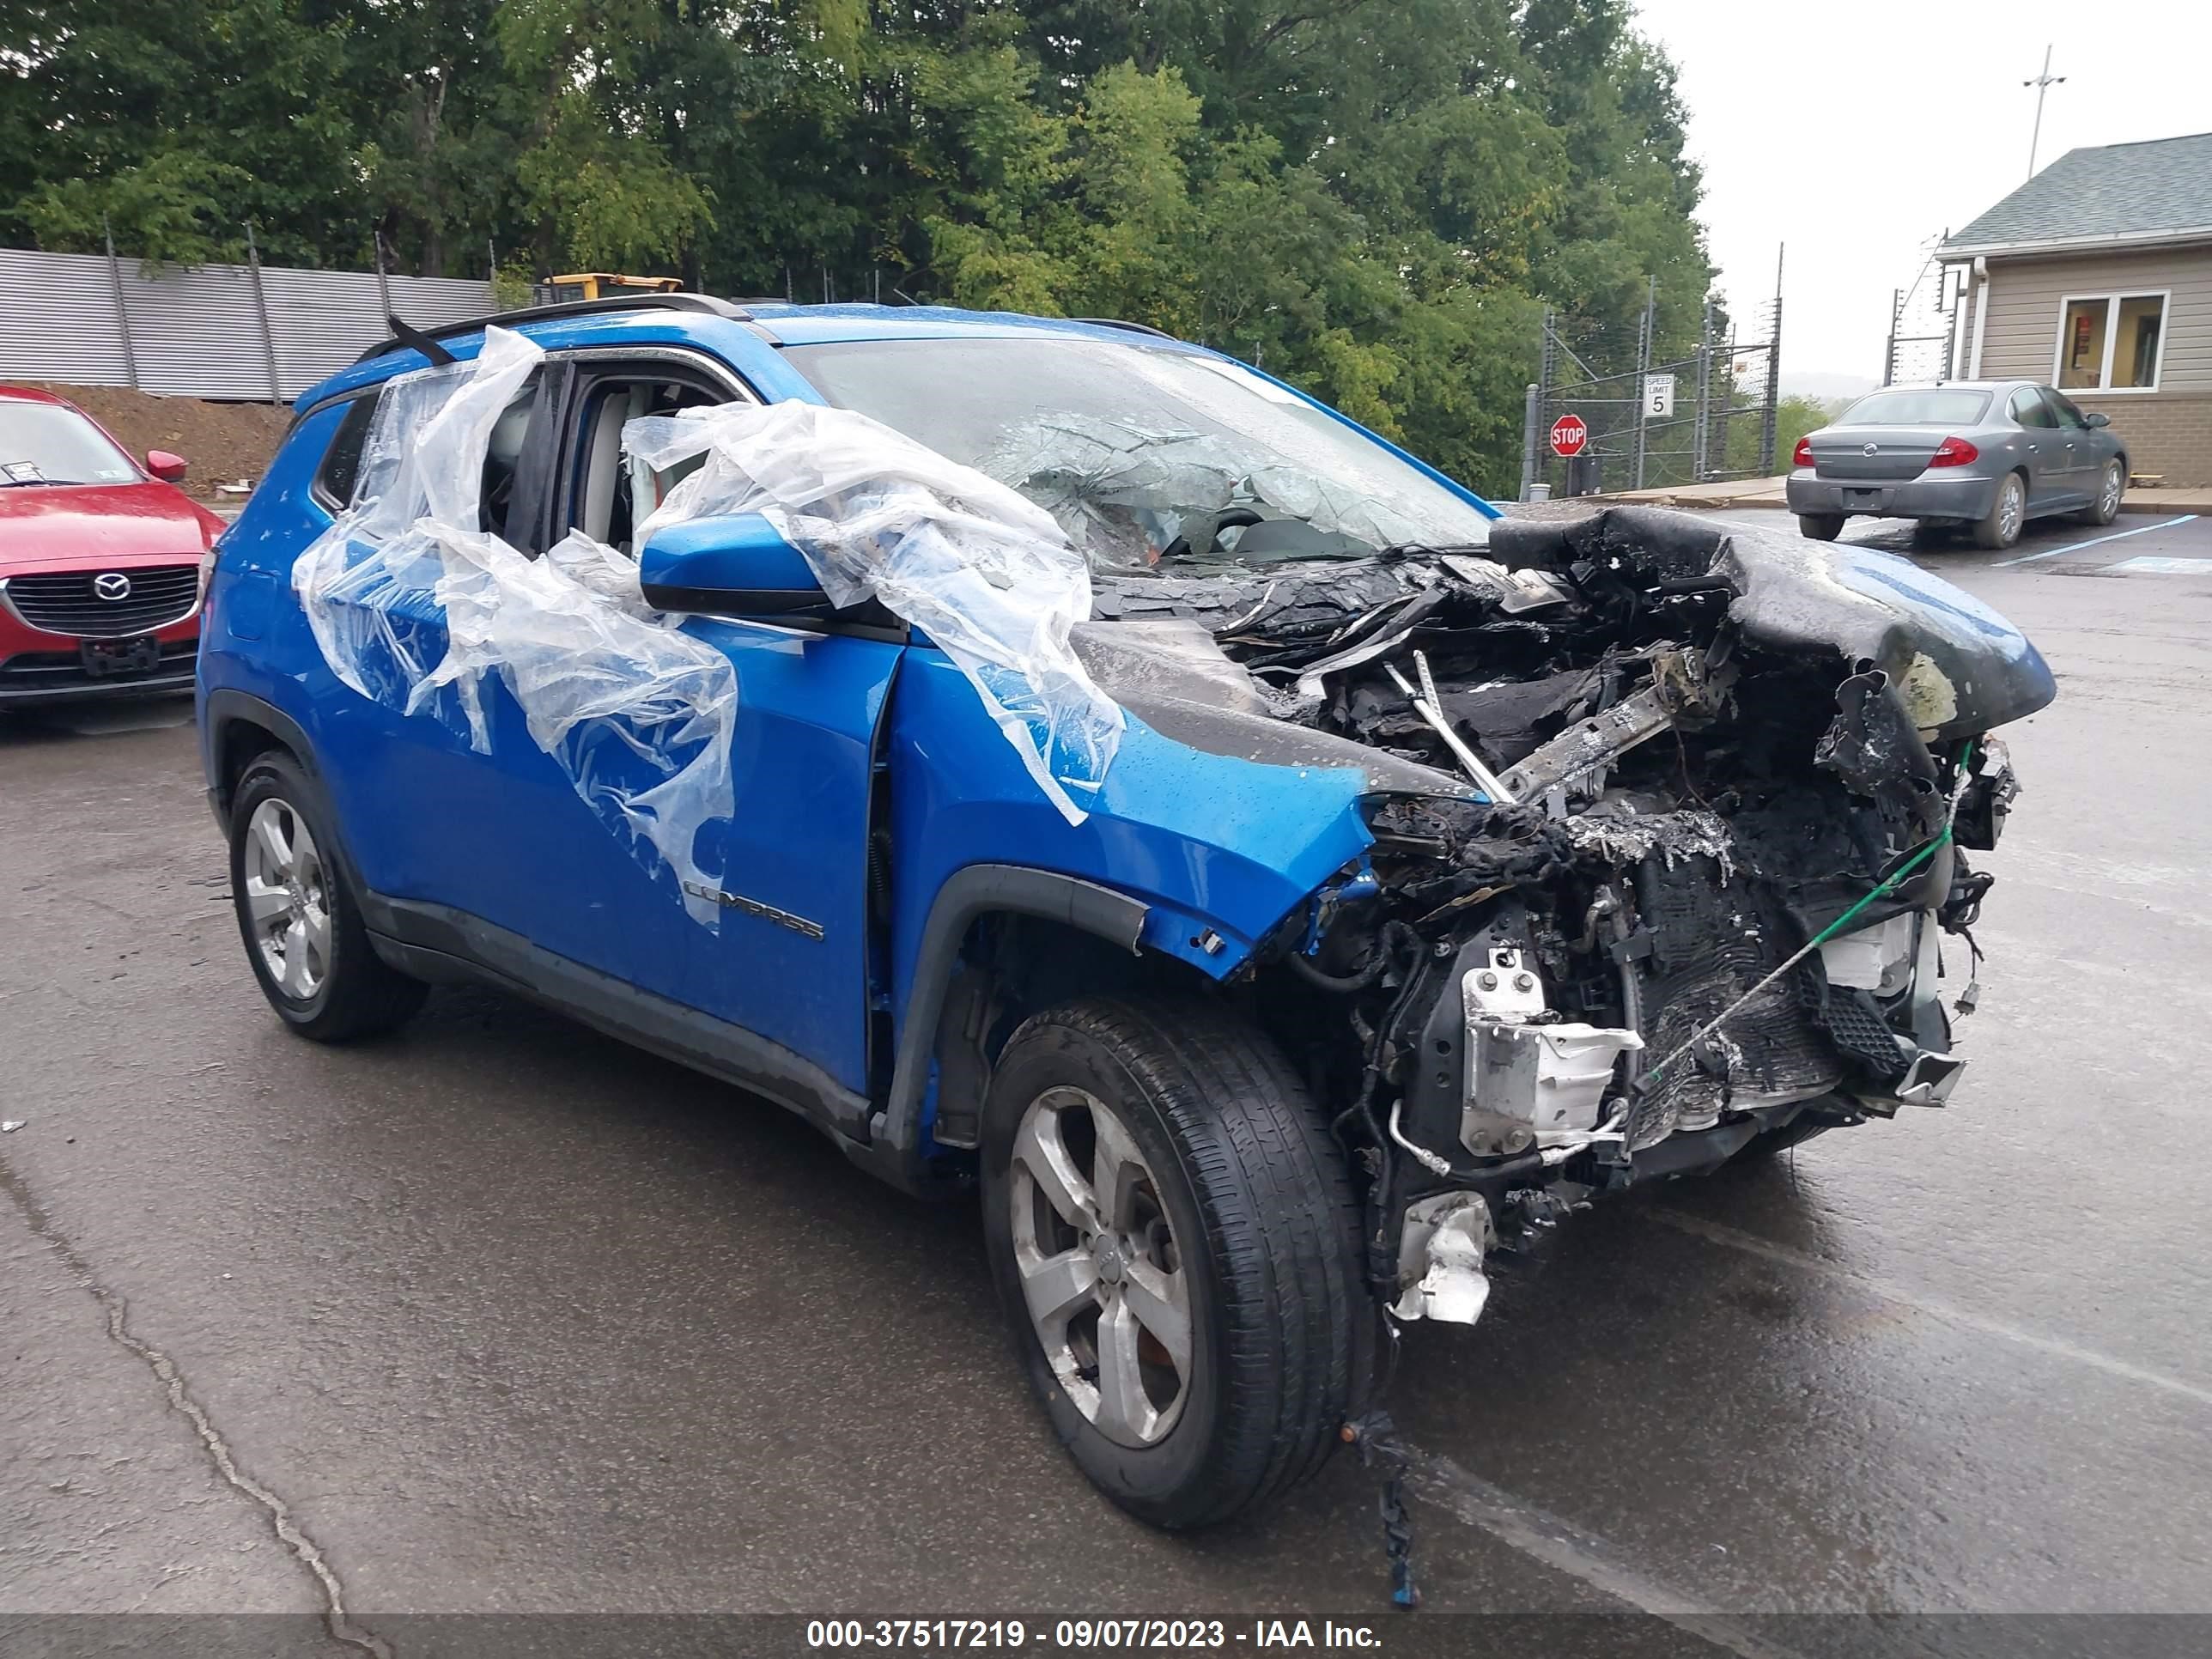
[(2111, 484), (1999, 527), (1821, 527), (1226, 1224), (303, 932)]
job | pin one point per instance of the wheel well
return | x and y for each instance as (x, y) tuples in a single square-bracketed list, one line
[(238, 745), (1013, 965)]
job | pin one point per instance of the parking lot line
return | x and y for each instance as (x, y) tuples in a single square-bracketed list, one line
[(1715, 1232), (2152, 564), (2095, 541), (1566, 1548)]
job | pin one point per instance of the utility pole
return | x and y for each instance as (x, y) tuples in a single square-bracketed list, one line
[(2042, 83)]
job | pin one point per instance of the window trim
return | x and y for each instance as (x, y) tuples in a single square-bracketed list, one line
[(319, 491), (2112, 299), (602, 361)]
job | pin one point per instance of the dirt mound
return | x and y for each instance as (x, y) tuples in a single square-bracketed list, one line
[(224, 442)]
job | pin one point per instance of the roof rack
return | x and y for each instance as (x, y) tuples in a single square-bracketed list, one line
[(700, 303), (1133, 328)]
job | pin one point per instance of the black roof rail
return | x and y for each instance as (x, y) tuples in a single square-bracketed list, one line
[(700, 303), (1133, 328)]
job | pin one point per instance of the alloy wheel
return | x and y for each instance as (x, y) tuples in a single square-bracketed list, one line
[(1101, 1270), (2009, 506), (287, 900), (2108, 498)]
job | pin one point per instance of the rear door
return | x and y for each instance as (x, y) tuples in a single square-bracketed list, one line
[(2050, 472)]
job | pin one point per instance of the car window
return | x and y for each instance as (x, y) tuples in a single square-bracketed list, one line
[(47, 444), (2068, 414), (391, 436), (1926, 406), (341, 466), (608, 495), (2026, 407)]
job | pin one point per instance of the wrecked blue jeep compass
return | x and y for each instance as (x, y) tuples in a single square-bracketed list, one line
[(1061, 762)]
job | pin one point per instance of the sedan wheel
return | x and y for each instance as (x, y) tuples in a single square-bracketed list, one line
[(2001, 528), (2110, 487)]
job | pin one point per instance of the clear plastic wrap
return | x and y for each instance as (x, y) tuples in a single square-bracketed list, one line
[(414, 604), (988, 575)]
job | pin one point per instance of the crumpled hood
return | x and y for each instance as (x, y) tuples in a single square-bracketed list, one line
[(1170, 674), (1960, 665)]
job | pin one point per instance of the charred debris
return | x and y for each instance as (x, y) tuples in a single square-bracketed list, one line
[(1624, 769)]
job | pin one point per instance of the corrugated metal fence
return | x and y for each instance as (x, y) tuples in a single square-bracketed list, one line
[(254, 333)]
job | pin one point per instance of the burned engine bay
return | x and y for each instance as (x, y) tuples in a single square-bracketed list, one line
[(1670, 818)]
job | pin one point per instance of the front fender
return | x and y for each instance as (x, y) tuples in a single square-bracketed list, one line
[(1206, 841), (1194, 854)]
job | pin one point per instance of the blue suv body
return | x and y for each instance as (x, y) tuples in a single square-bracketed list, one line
[(1216, 1049)]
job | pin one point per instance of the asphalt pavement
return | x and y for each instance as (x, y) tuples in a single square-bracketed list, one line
[(500, 1316)]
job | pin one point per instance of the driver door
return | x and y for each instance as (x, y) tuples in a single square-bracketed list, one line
[(786, 955)]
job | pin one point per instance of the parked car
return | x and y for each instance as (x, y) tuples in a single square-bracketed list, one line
[(1385, 936), (100, 559), (1981, 455)]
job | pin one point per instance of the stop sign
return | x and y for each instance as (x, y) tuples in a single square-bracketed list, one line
[(1569, 435)]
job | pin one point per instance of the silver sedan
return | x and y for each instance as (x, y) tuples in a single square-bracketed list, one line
[(1984, 455)]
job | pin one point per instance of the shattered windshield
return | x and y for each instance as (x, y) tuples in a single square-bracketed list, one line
[(1148, 457)]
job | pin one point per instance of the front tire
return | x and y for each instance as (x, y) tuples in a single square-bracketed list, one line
[(2111, 484), (1999, 528), (303, 932), (1821, 527), (1176, 1238)]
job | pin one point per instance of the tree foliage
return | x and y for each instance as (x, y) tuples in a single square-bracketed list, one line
[(1372, 198)]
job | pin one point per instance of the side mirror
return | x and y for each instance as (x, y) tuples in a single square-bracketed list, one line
[(169, 468), (2098, 417), (735, 564)]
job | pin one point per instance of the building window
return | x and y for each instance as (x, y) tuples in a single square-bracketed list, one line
[(2109, 343)]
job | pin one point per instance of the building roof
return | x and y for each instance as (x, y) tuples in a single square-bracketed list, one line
[(2160, 190)]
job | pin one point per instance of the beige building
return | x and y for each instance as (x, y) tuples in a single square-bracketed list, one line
[(2096, 276)]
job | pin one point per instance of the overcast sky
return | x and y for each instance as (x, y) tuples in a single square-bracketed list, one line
[(1855, 132)]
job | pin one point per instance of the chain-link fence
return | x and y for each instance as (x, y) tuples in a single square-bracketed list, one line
[(1646, 424)]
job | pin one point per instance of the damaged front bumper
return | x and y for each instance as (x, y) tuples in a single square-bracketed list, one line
[(1669, 822)]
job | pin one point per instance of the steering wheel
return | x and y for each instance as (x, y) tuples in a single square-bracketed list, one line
[(1187, 546)]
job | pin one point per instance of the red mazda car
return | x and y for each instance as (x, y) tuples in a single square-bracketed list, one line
[(100, 559)]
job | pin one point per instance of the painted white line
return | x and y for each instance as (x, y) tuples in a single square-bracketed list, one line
[(2058, 1347), (2095, 541), (2150, 564), (1566, 1548)]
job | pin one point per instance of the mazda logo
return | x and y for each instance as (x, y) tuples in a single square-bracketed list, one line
[(1871, 449), (112, 585)]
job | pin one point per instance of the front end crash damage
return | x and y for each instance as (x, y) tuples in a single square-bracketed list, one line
[(1669, 821)]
